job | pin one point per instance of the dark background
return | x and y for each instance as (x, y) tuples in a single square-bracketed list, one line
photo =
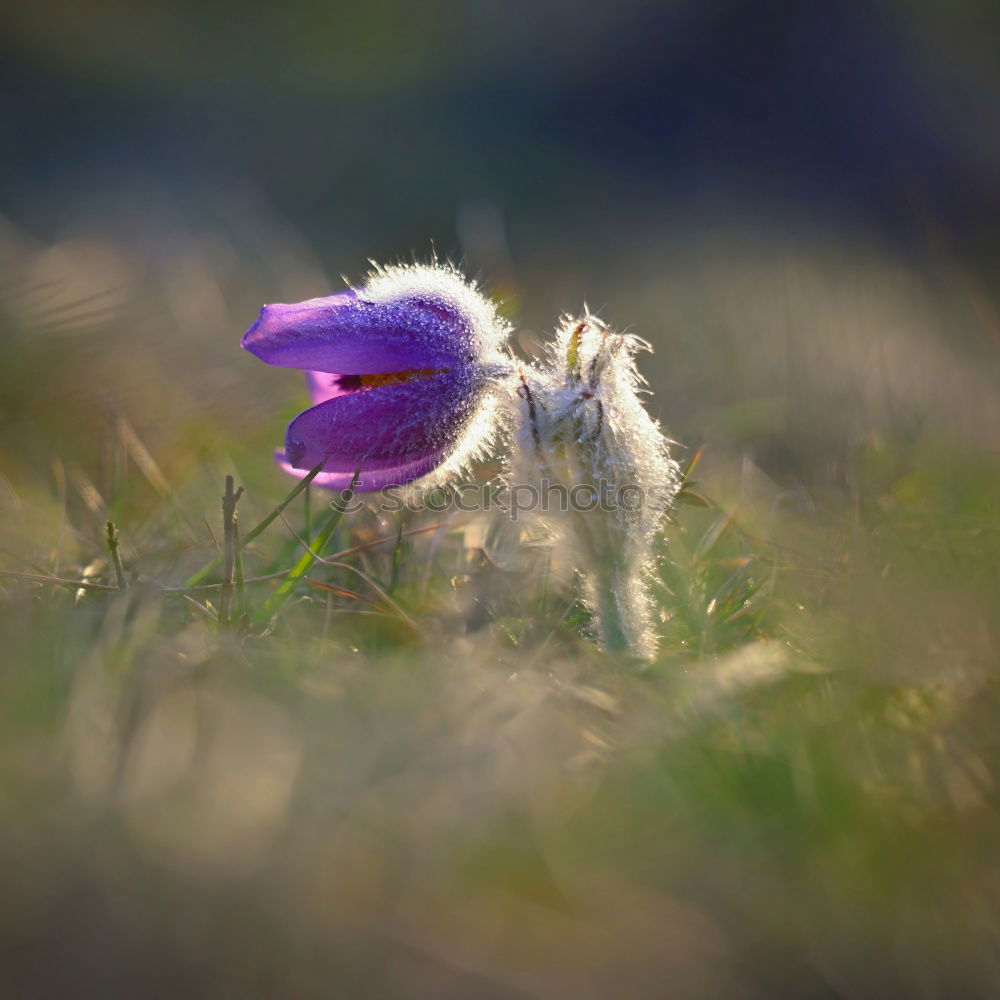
[(372, 127)]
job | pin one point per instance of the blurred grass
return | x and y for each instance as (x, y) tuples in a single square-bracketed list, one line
[(798, 798)]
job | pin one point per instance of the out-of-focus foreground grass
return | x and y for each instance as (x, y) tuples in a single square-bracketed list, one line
[(423, 782)]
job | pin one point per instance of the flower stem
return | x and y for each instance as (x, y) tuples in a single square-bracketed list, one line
[(612, 633)]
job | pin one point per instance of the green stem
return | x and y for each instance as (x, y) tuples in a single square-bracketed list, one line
[(611, 628)]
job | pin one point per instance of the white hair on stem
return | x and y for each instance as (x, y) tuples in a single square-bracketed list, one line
[(582, 429)]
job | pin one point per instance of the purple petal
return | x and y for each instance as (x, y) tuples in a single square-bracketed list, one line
[(324, 386), (348, 335), (370, 481), (383, 428)]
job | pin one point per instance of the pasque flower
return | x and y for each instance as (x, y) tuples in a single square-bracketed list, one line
[(401, 373), (583, 428)]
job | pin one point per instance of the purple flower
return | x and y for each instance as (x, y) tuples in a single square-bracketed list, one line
[(400, 371)]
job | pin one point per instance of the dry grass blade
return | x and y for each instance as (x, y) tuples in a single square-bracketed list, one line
[(57, 581)]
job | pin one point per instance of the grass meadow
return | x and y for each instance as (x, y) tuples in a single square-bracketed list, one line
[(404, 770)]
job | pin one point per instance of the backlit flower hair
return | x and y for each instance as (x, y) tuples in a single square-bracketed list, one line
[(583, 429), (401, 371)]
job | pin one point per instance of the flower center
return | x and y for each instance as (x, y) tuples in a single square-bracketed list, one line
[(359, 383)]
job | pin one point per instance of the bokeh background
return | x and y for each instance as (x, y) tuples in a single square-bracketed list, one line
[(798, 205)]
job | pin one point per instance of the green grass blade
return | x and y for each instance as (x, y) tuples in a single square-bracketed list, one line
[(198, 577), (273, 604)]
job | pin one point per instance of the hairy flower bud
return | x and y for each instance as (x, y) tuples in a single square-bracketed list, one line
[(583, 431)]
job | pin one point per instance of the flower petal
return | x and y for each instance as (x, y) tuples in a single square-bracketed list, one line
[(324, 386), (385, 427), (348, 335), (369, 481)]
